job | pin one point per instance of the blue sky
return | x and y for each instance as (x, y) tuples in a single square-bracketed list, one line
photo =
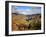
[(32, 8), (23, 7)]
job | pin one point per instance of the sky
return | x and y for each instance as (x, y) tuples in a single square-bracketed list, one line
[(23, 7), (33, 9)]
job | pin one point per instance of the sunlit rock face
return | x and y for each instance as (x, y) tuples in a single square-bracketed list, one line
[(26, 22)]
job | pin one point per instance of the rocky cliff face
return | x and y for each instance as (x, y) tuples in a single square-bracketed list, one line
[(23, 22)]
